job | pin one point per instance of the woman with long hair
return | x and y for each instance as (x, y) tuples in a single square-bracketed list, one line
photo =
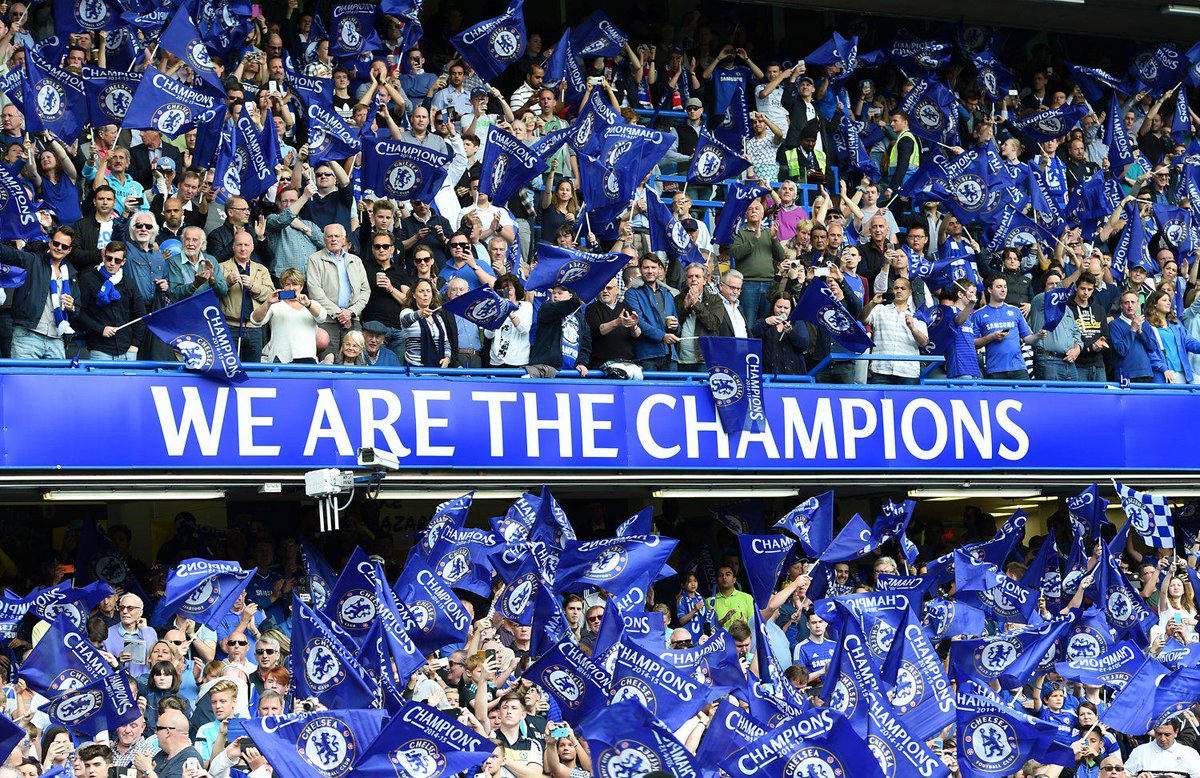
[(426, 336), (57, 178), (1172, 342), (560, 204)]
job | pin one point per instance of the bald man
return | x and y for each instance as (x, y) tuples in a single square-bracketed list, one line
[(129, 640), (337, 281), (177, 749)]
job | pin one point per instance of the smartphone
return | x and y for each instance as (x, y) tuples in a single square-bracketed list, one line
[(287, 294), (273, 86), (489, 653), (821, 272), (191, 764), (935, 745), (595, 80), (1012, 93), (888, 298), (1178, 619), (559, 732)]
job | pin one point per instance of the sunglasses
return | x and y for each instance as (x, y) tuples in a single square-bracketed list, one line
[(681, 644), (58, 244), (423, 259), (382, 246), (460, 245), (264, 651), (115, 260), (177, 642), (238, 643), (323, 173)]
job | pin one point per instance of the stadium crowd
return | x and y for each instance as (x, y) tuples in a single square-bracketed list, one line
[(844, 181), (503, 666)]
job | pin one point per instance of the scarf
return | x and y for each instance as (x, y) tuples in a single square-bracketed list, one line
[(433, 341), (108, 290), (59, 287)]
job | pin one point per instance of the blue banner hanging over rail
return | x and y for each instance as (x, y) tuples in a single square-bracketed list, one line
[(303, 421)]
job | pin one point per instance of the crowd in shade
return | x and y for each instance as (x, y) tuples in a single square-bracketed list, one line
[(382, 185), (808, 646)]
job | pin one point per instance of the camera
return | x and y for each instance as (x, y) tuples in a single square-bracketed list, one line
[(821, 272), (378, 459), (308, 705), (888, 298)]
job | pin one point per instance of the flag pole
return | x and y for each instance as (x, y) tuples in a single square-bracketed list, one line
[(131, 323)]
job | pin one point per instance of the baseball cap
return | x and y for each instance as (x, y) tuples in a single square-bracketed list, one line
[(694, 102), (477, 91), (166, 163), (691, 225)]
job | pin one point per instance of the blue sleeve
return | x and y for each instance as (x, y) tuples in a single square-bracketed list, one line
[(1122, 338), (639, 303), (1189, 342)]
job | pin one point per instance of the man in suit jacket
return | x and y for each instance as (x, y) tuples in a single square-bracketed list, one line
[(144, 158)]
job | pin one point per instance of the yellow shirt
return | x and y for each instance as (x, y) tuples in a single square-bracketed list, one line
[(740, 603)]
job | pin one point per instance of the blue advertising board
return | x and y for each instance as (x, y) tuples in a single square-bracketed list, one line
[(77, 420)]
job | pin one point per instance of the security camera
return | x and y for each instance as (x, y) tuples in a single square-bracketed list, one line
[(378, 459)]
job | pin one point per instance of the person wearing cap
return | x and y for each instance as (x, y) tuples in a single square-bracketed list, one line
[(801, 106), (477, 121), (687, 134), (375, 335)]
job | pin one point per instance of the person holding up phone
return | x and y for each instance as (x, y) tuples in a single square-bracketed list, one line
[(993, 323), (566, 755), (295, 318), (895, 330)]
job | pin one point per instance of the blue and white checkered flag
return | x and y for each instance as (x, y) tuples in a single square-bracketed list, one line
[(1149, 514)]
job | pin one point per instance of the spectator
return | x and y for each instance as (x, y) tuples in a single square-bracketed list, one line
[(1132, 342), (333, 201), (94, 232), (130, 639), (731, 605), (1056, 356), (44, 306), (469, 338), (563, 340), (176, 745), (655, 347), (464, 264), (291, 239), (896, 331), (1171, 341), (375, 352), (112, 169), (426, 333), (337, 282), (994, 324), (1163, 754), (115, 303), (249, 285), (1092, 320), (193, 271), (425, 228), (701, 314), (389, 288), (756, 251), (903, 158), (783, 345), (294, 320)]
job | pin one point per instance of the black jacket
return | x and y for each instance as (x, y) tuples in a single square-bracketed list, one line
[(93, 318), (547, 347), (139, 163), (782, 354), (84, 253), (29, 299)]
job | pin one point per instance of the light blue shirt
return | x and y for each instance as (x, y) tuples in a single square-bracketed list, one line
[(343, 279), (468, 334)]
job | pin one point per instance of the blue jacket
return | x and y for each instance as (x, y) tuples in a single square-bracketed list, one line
[(1135, 355), (1184, 343), (654, 326)]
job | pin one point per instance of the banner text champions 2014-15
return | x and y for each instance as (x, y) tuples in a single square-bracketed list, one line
[(166, 421)]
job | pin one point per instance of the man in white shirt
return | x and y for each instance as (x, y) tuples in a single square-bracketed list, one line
[(731, 290), (768, 97), (895, 330), (1163, 754)]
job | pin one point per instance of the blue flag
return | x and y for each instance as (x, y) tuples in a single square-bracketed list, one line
[(196, 327), (323, 667), (851, 678), (331, 138), (933, 111), (672, 696), (84, 16), (764, 558), (898, 748), (62, 660), (738, 196), (913, 53), (922, 697), (853, 542), (564, 66), (996, 740), (354, 32), (437, 616), (993, 77), (730, 730), (627, 154), (667, 233), (858, 159), (57, 97), (1150, 515), (735, 382), (1011, 229), (375, 656), (1150, 699), (492, 45), (715, 662), (181, 38), (97, 559), (18, 218), (1095, 83), (812, 522), (1120, 149), (640, 523), (402, 171), (741, 516), (818, 306), (482, 307), (997, 550), (1175, 226), (1089, 509), (947, 618), (460, 558), (992, 590), (1177, 656), (171, 107), (892, 524), (819, 742), (1052, 123), (451, 513), (598, 36), (353, 603), (617, 755), (256, 155), (507, 166), (420, 740), (835, 51), (734, 128), (204, 590), (109, 94), (575, 681), (714, 161), (330, 742), (1123, 603), (1011, 658), (586, 134), (317, 574), (583, 273), (396, 627), (104, 704), (614, 563), (1045, 573), (1157, 70), (1055, 305), (64, 599)]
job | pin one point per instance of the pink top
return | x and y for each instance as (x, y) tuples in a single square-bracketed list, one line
[(788, 218)]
